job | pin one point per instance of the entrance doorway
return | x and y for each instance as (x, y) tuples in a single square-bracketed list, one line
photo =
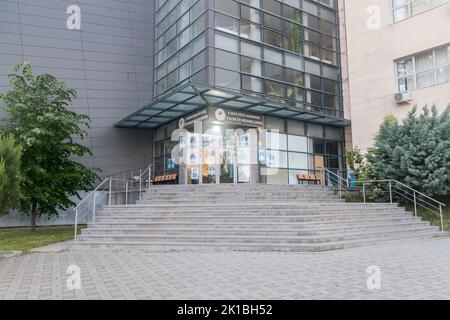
[(222, 156)]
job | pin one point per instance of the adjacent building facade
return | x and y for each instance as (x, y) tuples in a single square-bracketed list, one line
[(393, 47)]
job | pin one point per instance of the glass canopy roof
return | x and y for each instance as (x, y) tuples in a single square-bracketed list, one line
[(189, 98)]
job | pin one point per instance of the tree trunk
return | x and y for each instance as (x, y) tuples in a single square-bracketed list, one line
[(33, 216)]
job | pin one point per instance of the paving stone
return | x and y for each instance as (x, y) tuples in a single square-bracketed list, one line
[(409, 270)]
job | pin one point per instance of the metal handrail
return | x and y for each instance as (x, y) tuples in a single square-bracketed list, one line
[(342, 183), (404, 185), (392, 184), (108, 182)]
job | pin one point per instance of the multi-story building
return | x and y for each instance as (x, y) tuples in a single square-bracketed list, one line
[(247, 91), (398, 56), (217, 91)]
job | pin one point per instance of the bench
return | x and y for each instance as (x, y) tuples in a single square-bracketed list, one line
[(304, 177), (167, 179)]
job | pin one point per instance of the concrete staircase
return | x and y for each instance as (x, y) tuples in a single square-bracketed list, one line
[(251, 218)]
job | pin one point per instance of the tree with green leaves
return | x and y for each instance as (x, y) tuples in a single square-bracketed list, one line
[(357, 162), (10, 154), (415, 151), (40, 121)]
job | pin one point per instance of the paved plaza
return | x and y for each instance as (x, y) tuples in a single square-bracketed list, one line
[(409, 270)]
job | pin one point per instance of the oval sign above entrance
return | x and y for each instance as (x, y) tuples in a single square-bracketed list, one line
[(220, 115), (181, 123)]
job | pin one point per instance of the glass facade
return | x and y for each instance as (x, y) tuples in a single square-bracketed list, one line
[(270, 150), (180, 43), (248, 91), (287, 52)]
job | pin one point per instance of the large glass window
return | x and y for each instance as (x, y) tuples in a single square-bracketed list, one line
[(226, 23), (272, 6), (228, 79), (251, 84), (250, 31), (226, 42), (273, 71), (250, 49), (227, 6), (274, 88), (250, 14), (251, 66), (227, 60), (273, 56), (273, 38)]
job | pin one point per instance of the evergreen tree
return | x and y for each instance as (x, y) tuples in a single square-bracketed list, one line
[(10, 154), (416, 152)]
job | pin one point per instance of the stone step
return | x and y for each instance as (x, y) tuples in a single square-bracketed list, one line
[(225, 210), (238, 214), (202, 238), (236, 202), (252, 231), (249, 217), (203, 197), (313, 225), (235, 192), (242, 206), (256, 247), (266, 219)]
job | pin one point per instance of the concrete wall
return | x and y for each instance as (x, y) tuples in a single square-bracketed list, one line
[(109, 62), (371, 82)]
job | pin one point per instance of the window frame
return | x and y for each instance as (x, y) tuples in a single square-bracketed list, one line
[(415, 73)]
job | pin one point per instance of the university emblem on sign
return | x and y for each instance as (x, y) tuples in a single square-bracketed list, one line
[(181, 123), (220, 115)]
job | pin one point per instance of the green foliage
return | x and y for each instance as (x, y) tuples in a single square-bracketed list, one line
[(357, 162), (416, 151), (10, 154), (40, 121)]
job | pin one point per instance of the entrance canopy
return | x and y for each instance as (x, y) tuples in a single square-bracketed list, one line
[(190, 97)]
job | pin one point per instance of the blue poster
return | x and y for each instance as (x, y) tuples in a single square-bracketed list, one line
[(170, 164), (182, 142), (262, 155)]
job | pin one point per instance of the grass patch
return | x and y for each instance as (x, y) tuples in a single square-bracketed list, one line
[(22, 239), (351, 198)]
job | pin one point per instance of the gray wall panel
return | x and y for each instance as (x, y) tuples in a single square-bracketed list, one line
[(109, 62)]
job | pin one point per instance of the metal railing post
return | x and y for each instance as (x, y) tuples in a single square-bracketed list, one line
[(110, 192), (93, 208), (364, 192), (140, 184), (126, 193), (340, 189), (442, 219), (322, 179), (415, 205), (76, 224), (390, 190), (150, 176)]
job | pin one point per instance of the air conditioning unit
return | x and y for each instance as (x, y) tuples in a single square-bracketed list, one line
[(402, 97)]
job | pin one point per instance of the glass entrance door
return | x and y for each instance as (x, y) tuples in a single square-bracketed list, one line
[(243, 156), (227, 159), (235, 157)]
